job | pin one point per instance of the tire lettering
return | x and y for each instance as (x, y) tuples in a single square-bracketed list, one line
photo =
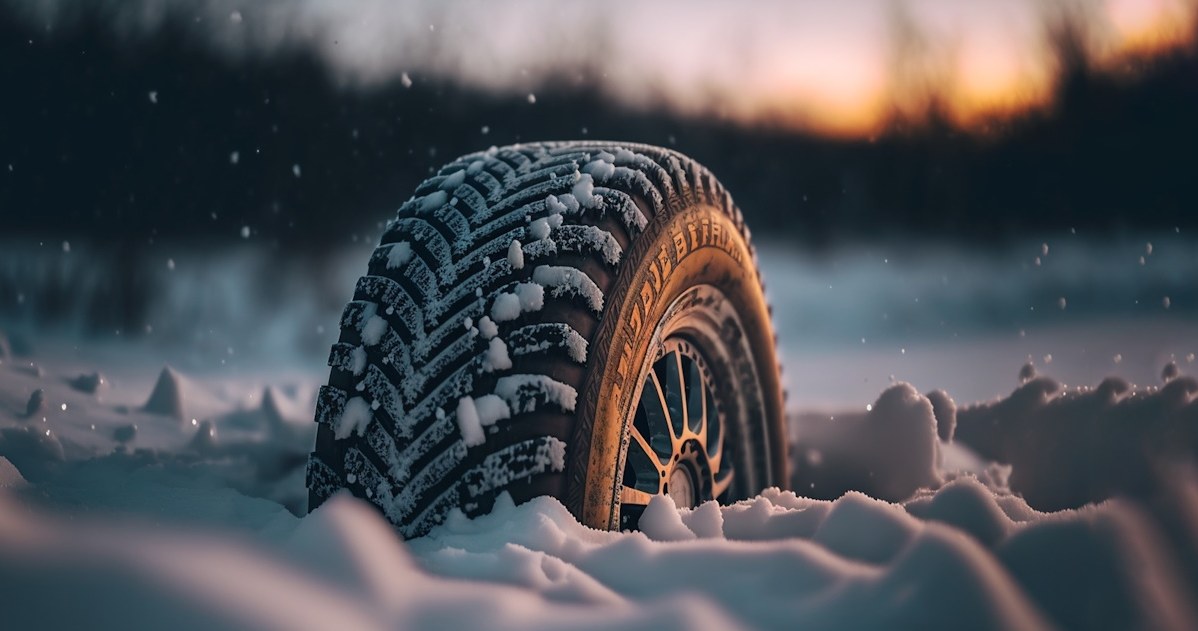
[(679, 246), (663, 260), (646, 301)]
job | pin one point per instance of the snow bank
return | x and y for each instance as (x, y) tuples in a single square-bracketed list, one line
[(192, 523), (851, 563), (1071, 446), (888, 450), (771, 562), (1058, 447)]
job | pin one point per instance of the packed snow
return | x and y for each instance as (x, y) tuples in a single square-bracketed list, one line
[(399, 255), (525, 297), (497, 356), (469, 424), (515, 255), (354, 419), (569, 281)]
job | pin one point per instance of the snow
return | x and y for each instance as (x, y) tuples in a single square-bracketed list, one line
[(487, 327), (625, 157), (522, 391), (555, 205), (497, 356), (490, 409), (600, 169), (531, 295), (469, 424), (506, 307), (433, 201), (354, 418), (167, 397), (515, 255), (373, 329), (358, 360), (10, 477), (576, 345), (399, 254), (524, 298), (170, 537), (661, 521), (584, 191), (1042, 506), (595, 239), (453, 181), (540, 228), (569, 281)]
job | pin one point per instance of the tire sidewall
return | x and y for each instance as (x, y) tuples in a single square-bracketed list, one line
[(697, 245)]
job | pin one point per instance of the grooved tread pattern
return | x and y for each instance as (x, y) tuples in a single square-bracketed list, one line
[(418, 342)]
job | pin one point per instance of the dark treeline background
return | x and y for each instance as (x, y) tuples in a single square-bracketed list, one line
[(86, 153)]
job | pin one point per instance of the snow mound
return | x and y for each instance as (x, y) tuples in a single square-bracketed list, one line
[(345, 541), (10, 477), (662, 522), (864, 529), (967, 505), (1072, 446), (889, 451), (1100, 569), (167, 397)]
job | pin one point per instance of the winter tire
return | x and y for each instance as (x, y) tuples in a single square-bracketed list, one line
[(583, 320)]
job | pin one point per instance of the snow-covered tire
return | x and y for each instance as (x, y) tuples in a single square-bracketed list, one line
[(509, 317)]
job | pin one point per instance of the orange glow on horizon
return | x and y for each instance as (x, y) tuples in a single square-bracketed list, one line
[(1148, 27), (851, 69), (993, 74)]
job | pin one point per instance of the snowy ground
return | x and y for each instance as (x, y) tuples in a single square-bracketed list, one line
[(150, 497)]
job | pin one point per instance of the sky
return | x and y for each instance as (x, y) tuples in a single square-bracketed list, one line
[(841, 69), (132, 122)]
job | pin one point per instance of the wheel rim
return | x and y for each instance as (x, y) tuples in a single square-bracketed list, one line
[(677, 436)]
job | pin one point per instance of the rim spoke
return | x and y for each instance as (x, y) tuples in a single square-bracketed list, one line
[(653, 402), (650, 453), (675, 391), (714, 439), (664, 401), (630, 496), (695, 405)]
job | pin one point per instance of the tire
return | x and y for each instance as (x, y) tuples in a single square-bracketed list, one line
[(470, 365)]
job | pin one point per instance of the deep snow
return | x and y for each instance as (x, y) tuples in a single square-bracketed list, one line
[(186, 522), (156, 479)]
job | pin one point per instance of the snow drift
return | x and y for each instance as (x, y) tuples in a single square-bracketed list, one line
[(962, 557), (191, 521)]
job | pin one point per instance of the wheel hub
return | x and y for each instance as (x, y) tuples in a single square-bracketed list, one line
[(681, 489)]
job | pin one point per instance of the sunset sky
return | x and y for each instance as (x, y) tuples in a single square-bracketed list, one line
[(843, 69)]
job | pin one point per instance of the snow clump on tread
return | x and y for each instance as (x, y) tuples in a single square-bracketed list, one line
[(432, 367)]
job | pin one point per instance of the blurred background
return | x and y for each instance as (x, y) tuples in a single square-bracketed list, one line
[(940, 191)]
